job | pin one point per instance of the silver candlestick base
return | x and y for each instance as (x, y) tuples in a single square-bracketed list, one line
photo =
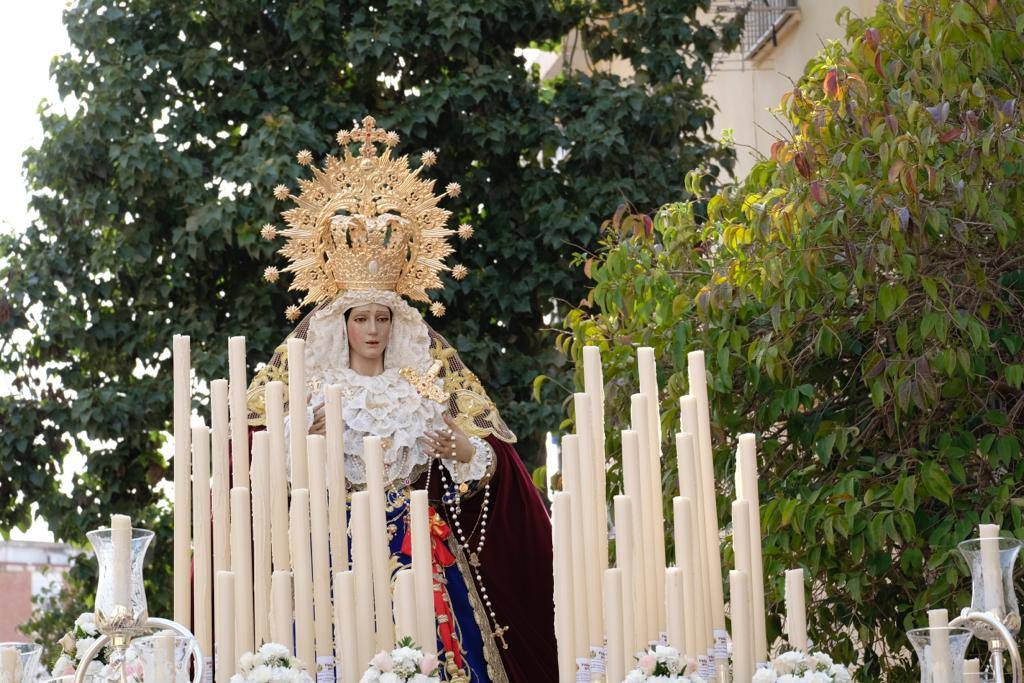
[(990, 628), (120, 628)]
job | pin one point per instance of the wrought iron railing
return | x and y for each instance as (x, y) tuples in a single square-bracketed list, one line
[(763, 20)]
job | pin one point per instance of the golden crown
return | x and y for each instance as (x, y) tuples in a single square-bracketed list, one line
[(365, 222)]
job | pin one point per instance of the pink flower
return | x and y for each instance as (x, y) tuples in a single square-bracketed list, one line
[(647, 664), (428, 664), (382, 660)]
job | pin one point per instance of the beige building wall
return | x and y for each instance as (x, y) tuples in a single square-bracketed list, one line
[(745, 89)]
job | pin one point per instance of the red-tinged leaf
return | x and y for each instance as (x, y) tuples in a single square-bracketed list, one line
[(893, 125), (895, 169), (588, 267), (648, 225), (872, 37), (777, 147), (932, 178), (802, 165), (909, 181), (818, 193), (831, 84), (951, 134), (617, 217), (878, 64)]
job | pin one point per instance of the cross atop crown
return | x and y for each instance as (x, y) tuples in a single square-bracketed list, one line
[(368, 134)]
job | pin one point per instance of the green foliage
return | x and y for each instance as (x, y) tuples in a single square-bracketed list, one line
[(859, 301), (150, 195)]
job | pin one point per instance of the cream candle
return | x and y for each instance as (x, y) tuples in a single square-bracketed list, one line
[(10, 664), (423, 571), (362, 570), (588, 507), (593, 385), (625, 557), (224, 621), (942, 663), (972, 670), (182, 406), (323, 615), (615, 666), (693, 620), (650, 534), (281, 609), (121, 562), (648, 373), (203, 561), (742, 631), (572, 485), (796, 611), (305, 637), (261, 553), (991, 571), (221, 481), (297, 410), (674, 608), (334, 428), (747, 489), (699, 390), (373, 458), (689, 485), (565, 611), (239, 413), (345, 627), (241, 567), (165, 668), (405, 605), (280, 552)]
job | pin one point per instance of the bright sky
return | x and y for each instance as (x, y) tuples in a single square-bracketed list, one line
[(30, 35)]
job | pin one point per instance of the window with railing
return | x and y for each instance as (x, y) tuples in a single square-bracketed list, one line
[(763, 20)]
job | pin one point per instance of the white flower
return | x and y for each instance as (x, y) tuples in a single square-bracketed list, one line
[(82, 646), (390, 677), (635, 676), (371, 676), (419, 678), (237, 678), (788, 678), (817, 677), (87, 622), (820, 659), (274, 651), (247, 661), (261, 674), (840, 674), (788, 662), (764, 676)]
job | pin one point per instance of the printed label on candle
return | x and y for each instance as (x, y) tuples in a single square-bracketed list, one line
[(325, 669), (207, 669), (721, 644), (582, 670), (598, 659), (663, 638), (705, 667)]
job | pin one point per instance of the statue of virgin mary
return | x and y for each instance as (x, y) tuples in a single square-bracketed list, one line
[(366, 233)]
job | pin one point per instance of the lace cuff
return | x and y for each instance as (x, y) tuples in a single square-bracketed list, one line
[(478, 466)]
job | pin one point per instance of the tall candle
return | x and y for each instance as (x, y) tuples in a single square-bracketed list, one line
[(699, 390), (274, 398), (942, 662), (693, 621), (281, 609), (689, 486), (239, 413), (241, 567), (303, 576), (221, 476), (565, 612), (224, 622), (323, 614), (741, 555), (649, 388), (632, 484), (203, 560), (747, 489), (373, 457), (334, 428), (297, 410), (121, 558), (991, 571), (165, 667), (651, 534), (571, 481), (405, 605), (674, 608), (345, 627), (588, 506), (625, 558), (261, 563), (182, 371), (615, 665), (423, 571), (593, 385), (796, 611), (742, 633), (362, 570), (972, 670)]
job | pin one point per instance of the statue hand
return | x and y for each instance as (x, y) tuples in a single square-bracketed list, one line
[(319, 421), (451, 443)]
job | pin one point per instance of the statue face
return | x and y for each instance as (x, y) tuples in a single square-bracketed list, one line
[(369, 328)]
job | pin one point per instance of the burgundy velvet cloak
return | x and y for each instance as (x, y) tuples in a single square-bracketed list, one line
[(516, 567)]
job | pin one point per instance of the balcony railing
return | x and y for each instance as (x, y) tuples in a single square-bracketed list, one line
[(763, 20)]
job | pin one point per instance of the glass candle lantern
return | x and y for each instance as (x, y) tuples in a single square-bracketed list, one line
[(1006, 607), (933, 670), (19, 662), (120, 580)]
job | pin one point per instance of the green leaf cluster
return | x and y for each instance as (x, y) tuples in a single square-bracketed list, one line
[(149, 192), (860, 301)]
